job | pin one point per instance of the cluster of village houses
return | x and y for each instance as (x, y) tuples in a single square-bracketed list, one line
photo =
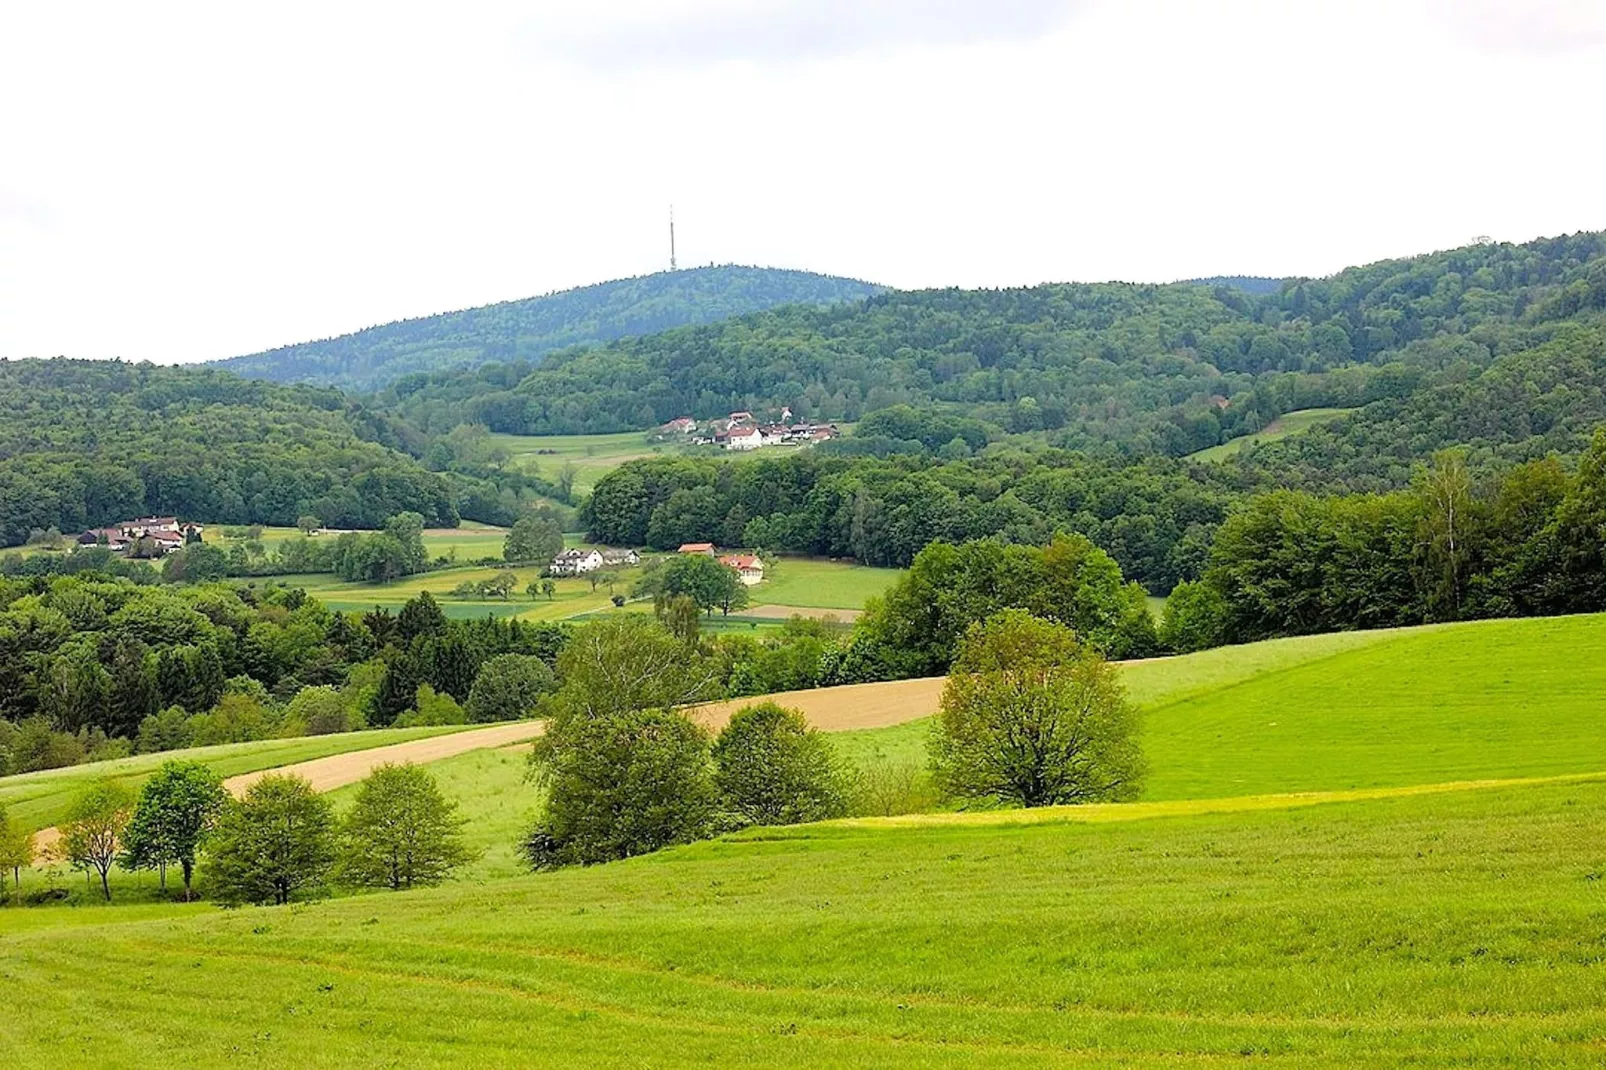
[(742, 431), (578, 562), (149, 536)]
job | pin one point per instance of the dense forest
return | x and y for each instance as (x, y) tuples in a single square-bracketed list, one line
[(527, 330), (87, 443), (1153, 516), (1145, 369)]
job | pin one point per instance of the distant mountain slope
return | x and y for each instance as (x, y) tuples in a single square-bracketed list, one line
[(91, 442), (1142, 369), (530, 328)]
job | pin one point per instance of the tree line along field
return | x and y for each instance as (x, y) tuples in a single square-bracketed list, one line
[(1411, 921)]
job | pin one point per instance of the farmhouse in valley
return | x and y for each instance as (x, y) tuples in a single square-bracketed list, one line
[(620, 558), (575, 563), (149, 536), (747, 566), (697, 548)]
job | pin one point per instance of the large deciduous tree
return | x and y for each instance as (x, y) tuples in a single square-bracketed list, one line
[(275, 844), (508, 687), (773, 769), (533, 538), (1032, 716), (401, 832), (177, 808)]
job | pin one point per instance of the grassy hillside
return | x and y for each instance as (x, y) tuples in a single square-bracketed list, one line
[(1291, 423), (1449, 928), (800, 581), (530, 328), (1492, 699)]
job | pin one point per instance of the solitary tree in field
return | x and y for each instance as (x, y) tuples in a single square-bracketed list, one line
[(401, 832), (94, 824), (177, 807), (308, 523), (773, 769), (1033, 717), (548, 588), (16, 850), (276, 843)]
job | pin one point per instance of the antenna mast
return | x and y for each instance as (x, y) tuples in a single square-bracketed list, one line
[(672, 266)]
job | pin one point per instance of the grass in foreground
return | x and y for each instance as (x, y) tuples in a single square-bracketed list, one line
[(40, 799), (1444, 929)]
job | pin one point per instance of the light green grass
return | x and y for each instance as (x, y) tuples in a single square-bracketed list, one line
[(1291, 423), (593, 456), (1491, 699), (1452, 929), (819, 584), (40, 799)]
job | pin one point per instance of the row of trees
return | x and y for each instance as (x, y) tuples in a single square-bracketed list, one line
[(279, 841), (95, 666), (1031, 715), (1451, 547)]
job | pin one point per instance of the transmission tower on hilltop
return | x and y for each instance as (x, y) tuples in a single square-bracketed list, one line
[(672, 266)]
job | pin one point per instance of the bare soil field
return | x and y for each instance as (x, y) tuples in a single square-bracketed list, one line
[(773, 612), (840, 709)]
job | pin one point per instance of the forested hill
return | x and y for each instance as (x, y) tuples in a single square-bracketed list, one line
[(531, 328), (1146, 369), (86, 442)]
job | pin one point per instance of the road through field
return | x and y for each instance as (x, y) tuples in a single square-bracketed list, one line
[(338, 770)]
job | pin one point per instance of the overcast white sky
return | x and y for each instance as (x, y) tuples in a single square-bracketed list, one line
[(186, 182)]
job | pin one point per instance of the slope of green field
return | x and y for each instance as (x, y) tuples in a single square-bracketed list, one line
[(814, 583), (1291, 423), (1455, 928), (1510, 698), (39, 799)]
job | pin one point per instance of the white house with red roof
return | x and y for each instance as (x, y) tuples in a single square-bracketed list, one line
[(748, 566)]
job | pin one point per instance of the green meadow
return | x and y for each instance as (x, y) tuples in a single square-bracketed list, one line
[(1291, 423), (572, 597), (1356, 849), (814, 583), (1459, 928), (593, 456)]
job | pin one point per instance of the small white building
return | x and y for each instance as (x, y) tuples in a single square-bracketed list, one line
[(575, 563), (744, 438), (620, 558), (748, 566)]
